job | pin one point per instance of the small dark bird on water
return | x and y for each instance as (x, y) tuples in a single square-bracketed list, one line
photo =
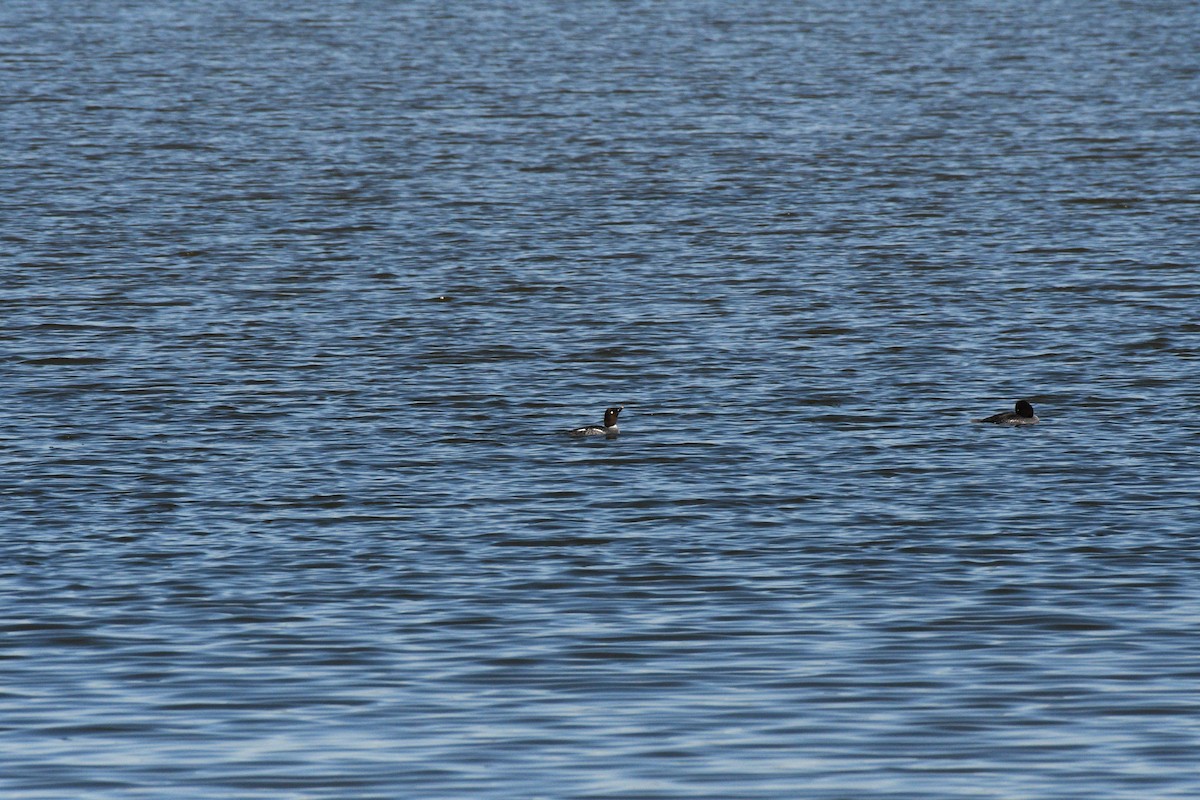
[(1022, 415), (609, 428)]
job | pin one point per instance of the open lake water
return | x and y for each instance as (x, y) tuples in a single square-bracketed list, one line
[(299, 297)]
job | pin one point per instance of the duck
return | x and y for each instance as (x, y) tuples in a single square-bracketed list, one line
[(1022, 414), (609, 428)]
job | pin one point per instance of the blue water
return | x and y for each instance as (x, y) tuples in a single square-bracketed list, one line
[(299, 298)]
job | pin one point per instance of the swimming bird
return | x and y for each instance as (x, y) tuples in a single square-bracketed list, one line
[(1022, 415), (609, 428)]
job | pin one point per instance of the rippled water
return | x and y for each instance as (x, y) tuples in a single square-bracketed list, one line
[(299, 298)]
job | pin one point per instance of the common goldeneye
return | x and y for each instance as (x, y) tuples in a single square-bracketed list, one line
[(609, 428), (1022, 416)]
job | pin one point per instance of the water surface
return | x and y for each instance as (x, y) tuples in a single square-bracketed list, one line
[(299, 300)]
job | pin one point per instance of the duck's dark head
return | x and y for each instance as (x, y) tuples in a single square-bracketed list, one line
[(1024, 409), (610, 415)]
